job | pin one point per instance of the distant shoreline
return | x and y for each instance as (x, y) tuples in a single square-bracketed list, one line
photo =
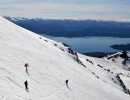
[(125, 47), (98, 54)]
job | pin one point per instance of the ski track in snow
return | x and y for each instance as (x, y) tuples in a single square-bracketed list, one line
[(13, 82)]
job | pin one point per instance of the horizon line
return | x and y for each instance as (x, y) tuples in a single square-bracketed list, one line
[(126, 21)]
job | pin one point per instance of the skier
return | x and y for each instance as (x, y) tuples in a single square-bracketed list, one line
[(26, 85), (66, 82), (26, 66)]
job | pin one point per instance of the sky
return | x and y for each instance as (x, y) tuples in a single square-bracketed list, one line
[(118, 10)]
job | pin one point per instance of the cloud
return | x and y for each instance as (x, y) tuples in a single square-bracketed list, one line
[(86, 9)]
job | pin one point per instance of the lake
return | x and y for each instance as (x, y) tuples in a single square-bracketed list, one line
[(91, 44)]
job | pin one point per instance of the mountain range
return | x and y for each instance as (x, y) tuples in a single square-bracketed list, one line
[(73, 28)]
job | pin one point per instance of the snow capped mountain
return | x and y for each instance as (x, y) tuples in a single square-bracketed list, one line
[(51, 64), (73, 28), (22, 18), (15, 18)]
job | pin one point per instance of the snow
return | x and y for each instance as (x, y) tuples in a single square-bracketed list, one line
[(50, 65)]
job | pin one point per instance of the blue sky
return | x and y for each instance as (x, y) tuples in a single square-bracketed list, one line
[(118, 10)]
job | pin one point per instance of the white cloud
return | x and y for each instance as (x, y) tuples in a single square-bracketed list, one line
[(66, 10)]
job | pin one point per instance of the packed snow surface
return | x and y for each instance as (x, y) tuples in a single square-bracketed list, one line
[(50, 65)]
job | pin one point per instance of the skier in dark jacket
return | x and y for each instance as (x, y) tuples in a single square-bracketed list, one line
[(26, 85), (66, 82)]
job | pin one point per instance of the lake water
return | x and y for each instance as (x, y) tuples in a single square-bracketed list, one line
[(92, 44)]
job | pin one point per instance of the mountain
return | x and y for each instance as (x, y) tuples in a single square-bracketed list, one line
[(74, 28), (51, 63)]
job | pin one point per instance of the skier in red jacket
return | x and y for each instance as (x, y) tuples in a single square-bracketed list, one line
[(26, 66)]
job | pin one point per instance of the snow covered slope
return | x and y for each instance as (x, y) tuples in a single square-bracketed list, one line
[(50, 65)]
